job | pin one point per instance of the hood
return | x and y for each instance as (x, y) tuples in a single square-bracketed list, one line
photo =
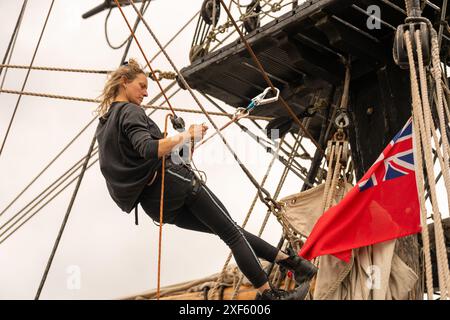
[(105, 117)]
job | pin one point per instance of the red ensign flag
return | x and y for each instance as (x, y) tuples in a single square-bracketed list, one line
[(383, 205)]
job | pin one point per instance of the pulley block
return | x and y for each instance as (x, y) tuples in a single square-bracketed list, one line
[(207, 11), (399, 51)]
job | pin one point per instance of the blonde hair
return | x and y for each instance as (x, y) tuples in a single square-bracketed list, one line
[(130, 71)]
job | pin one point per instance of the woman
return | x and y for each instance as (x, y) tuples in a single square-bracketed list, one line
[(131, 147)]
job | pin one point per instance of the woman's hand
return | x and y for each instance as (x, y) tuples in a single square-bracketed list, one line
[(197, 131)]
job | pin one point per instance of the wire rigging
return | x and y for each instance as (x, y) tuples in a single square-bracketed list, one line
[(26, 77)]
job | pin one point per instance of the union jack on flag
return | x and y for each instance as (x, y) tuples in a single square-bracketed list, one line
[(384, 205), (397, 160)]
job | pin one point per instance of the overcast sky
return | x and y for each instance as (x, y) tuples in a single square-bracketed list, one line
[(113, 257), (101, 244)]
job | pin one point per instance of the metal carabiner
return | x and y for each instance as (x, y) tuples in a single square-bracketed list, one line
[(261, 99)]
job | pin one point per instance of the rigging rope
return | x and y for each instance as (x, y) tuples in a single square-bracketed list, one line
[(259, 140), (48, 165), (267, 199), (12, 41), (26, 77), (48, 190), (338, 148), (143, 53), (47, 202), (153, 100), (77, 165), (244, 223), (276, 194), (130, 37), (66, 217), (146, 106), (79, 177), (161, 213), (421, 117), (69, 209), (268, 81), (176, 35), (14, 66)]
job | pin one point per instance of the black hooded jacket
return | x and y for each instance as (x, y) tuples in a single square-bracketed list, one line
[(128, 151)]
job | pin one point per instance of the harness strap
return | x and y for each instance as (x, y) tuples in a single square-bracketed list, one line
[(136, 222)]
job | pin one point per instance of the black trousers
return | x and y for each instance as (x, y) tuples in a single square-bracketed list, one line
[(189, 204)]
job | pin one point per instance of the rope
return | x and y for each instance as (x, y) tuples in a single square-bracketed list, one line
[(211, 113), (295, 147), (270, 212), (161, 74), (53, 186), (48, 95), (175, 36), (334, 180), (262, 191), (259, 139), (130, 37), (143, 53), (436, 71), (3, 65), (244, 224), (417, 103), (12, 41), (54, 96), (424, 135), (423, 210), (26, 77), (66, 217), (15, 66), (441, 26), (48, 165), (161, 211), (328, 179), (41, 207), (408, 7), (286, 230), (337, 148), (268, 81), (61, 177)]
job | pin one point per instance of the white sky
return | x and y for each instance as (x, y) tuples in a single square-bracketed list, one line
[(115, 257)]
